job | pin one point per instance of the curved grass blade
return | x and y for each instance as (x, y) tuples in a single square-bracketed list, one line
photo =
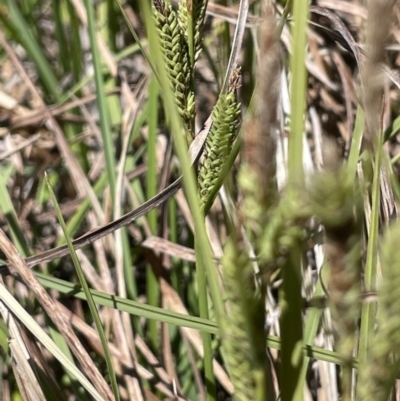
[(92, 306)]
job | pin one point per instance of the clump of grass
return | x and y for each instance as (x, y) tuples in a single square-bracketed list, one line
[(267, 232)]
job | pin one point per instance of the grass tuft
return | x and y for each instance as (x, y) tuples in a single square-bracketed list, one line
[(252, 167)]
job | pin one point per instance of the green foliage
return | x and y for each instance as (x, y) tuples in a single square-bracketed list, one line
[(294, 257)]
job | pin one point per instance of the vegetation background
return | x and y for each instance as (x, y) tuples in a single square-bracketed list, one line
[(273, 274)]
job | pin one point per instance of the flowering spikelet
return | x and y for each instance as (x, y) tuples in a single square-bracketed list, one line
[(379, 374), (219, 141), (337, 203), (198, 10), (176, 56), (284, 230), (243, 333)]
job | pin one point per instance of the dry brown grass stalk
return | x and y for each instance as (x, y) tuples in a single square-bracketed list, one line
[(259, 147), (380, 17)]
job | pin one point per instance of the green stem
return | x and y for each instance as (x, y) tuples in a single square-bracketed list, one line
[(152, 287), (291, 330), (105, 123), (206, 337)]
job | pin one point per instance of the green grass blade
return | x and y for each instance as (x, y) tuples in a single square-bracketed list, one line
[(311, 327), (291, 317), (127, 305), (137, 40), (152, 286), (7, 207), (89, 298), (105, 122), (206, 337), (166, 316), (298, 91), (369, 309), (29, 43), (356, 141)]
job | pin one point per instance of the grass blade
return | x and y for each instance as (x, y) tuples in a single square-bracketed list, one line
[(89, 298)]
